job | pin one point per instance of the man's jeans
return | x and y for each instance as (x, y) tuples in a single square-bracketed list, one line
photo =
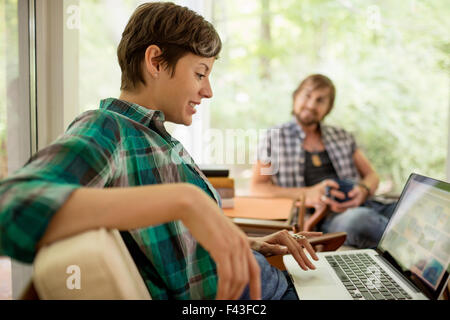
[(364, 225)]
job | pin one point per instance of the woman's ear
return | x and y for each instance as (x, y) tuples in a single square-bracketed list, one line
[(152, 65)]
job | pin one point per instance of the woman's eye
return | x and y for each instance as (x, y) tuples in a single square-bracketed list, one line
[(200, 76)]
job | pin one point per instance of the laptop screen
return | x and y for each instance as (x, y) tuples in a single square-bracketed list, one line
[(418, 236)]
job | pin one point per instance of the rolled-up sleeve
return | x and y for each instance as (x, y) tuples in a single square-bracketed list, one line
[(352, 142), (26, 209), (31, 196)]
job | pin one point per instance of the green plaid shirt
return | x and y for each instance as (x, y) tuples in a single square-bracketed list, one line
[(119, 145)]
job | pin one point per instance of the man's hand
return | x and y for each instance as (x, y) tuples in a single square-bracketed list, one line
[(283, 242), (357, 197), (315, 195)]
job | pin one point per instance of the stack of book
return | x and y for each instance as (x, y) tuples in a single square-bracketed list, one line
[(225, 188), (222, 183)]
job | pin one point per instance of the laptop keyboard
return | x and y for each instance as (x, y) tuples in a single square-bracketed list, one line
[(364, 279)]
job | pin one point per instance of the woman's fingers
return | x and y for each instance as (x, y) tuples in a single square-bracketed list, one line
[(296, 250), (305, 243), (233, 274), (304, 262), (308, 245), (224, 274), (229, 247), (249, 273), (308, 262), (240, 271), (299, 243), (236, 268)]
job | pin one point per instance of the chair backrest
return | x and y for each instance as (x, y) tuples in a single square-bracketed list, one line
[(92, 265)]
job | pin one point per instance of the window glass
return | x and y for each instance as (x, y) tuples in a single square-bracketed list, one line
[(99, 38), (99, 70), (389, 62), (9, 72)]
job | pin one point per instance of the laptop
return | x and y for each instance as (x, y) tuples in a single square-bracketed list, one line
[(411, 261)]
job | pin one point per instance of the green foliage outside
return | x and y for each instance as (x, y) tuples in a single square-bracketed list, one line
[(391, 71)]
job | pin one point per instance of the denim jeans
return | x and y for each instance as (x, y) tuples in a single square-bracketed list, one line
[(290, 293), (364, 225)]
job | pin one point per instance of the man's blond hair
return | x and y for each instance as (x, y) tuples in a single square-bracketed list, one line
[(317, 81)]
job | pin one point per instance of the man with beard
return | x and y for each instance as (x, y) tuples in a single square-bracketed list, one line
[(325, 164)]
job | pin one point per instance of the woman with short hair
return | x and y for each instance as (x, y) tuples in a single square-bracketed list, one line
[(117, 167)]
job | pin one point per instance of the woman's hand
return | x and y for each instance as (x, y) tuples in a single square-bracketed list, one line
[(283, 242), (228, 246), (89, 208)]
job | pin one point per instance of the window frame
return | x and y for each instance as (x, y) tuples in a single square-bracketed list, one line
[(21, 122)]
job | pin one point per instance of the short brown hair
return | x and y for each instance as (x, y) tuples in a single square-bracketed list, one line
[(318, 81), (176, 30)]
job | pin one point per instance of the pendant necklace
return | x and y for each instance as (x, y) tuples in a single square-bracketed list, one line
[(316, 159)]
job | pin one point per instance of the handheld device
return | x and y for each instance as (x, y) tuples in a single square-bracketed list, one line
[(345, 186)]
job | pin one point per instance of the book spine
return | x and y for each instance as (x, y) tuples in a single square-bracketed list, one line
[(225, 193), (221, 182)]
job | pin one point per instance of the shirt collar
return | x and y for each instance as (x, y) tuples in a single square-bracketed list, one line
[(153, 119), (297, 129), (133, 111)]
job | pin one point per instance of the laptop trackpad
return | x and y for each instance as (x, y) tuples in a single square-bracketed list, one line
[(316, 284), (314, 278)]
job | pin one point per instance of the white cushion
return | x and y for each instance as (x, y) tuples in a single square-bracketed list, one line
[(100, 259)]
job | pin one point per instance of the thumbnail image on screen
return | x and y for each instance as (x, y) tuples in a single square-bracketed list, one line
[(418, 237)]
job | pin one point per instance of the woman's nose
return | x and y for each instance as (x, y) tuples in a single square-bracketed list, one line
[(206, 91)]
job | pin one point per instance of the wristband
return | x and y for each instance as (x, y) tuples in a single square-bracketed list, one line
[(365, 187)]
